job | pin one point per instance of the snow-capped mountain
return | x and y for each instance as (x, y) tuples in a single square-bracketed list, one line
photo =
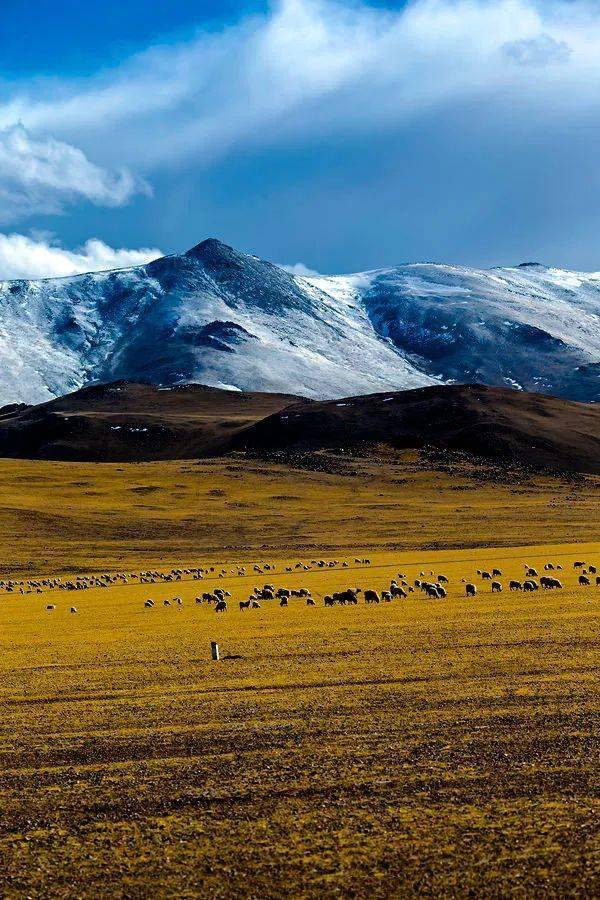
[(226, 319)]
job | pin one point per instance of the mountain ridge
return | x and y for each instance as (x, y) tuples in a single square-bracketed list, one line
[(229, 319)]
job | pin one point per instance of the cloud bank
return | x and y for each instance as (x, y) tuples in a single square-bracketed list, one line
[(42, 175), (26, 257), (510, 87), (313, 66)]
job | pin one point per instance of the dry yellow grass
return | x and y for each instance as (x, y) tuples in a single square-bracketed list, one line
[(414, 748), (63, 517)]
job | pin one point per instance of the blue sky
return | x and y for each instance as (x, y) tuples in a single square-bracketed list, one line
[(339, 134), (70, 36)]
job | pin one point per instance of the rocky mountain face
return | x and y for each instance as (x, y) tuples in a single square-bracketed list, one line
[(222, 318)]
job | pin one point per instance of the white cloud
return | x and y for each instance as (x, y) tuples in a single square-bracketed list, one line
[(310, 67), (300, 269), (43, 175), (27, 257)]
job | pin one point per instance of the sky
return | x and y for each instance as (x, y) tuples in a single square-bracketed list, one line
[(331, 135)]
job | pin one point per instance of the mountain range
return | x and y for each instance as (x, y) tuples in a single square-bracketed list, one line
[(231, 320)]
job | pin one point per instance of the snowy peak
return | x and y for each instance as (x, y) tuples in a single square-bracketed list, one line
[(214, 252), (228, 319)]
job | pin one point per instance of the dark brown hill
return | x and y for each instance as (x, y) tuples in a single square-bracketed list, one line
[(124, 421), (513, 426)]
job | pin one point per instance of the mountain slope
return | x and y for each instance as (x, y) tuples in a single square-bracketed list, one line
[(220, 317), (122, 422), (499, 423)]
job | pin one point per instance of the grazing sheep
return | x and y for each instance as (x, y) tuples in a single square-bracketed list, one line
[(221, 606), (584, 580), (310, 601), (496, 573), (148, 604), (327, 600), (283, 601), (372, 597), (531, 573), (515, 586), (496, 587), (578, 565), (530, 585), (73, 609), (549, 583), (592, 569), (486, 576), (50, 607), (245, 604), (470, 590)]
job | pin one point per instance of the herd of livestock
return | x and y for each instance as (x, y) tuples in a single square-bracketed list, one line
[(399, 588), (433, 585)]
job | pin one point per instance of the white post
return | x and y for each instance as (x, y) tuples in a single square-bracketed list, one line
[(214, 650)]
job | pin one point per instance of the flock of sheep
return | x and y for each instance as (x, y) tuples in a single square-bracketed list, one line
[(433, 586), (399, 588)]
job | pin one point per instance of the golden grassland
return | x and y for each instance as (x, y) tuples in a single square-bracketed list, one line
[(65, 517), (413, 748)]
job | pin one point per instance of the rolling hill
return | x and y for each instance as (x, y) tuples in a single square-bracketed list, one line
[(498, 423), (123, 422), (135, 422)]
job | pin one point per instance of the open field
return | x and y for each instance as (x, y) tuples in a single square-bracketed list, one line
[(66, 517), (413, 748)]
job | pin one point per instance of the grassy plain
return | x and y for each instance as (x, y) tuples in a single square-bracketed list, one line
[(66, 517), (414, 748)]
